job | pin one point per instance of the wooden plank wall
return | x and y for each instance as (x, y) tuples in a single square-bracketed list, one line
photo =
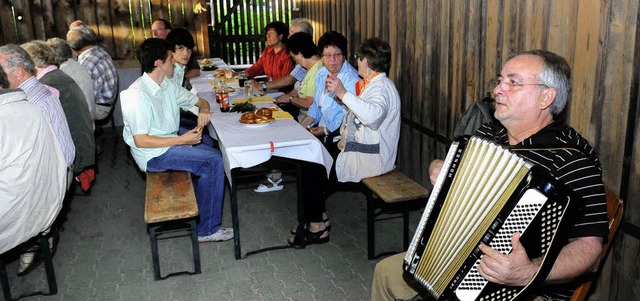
[(122, 24), (445, 52)]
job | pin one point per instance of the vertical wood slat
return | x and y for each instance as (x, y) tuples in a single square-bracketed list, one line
[(37, 19), (7, 30), (620, 38), (24, 25), (583, 80)]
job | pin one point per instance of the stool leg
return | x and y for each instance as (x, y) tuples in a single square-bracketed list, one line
[(4, 281), (371, 220), (195, 247), (48, 265), (154, 252)]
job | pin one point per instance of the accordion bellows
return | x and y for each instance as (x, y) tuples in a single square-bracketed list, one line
[(484, 194)]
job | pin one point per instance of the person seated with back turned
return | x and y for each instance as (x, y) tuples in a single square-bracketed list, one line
[(150, 107), (79, 73), (33, 169), (531, 93), (87, 45), (20, 70), (74, 106), (305, 53), (323, 120)]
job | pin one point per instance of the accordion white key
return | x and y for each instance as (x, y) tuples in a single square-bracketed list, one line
[(484, 194)]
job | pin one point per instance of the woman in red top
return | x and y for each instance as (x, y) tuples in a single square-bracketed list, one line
[(275, 61)]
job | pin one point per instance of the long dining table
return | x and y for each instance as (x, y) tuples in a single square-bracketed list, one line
[(244, 146)]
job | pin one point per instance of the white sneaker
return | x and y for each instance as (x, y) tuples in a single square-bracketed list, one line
[(222, 234)]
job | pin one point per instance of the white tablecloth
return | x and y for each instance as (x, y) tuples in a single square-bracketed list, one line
[(246, 146)]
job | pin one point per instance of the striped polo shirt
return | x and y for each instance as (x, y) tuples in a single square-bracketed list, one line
[(572, 161)]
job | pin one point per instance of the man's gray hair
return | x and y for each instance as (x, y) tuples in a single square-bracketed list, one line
[(62, 49), (88, 37), (16, 56), (556, 74), (303, 25)]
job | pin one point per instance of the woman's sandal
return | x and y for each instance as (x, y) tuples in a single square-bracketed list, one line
[(309, 238), (275, 186), (326, 222)]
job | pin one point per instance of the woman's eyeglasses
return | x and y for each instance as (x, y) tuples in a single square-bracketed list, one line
[(330, 55)]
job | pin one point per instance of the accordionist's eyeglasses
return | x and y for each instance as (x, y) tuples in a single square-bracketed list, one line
[(511, 84)]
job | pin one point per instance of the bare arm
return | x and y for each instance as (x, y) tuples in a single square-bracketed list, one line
[(300, 102), (148, 141), (307, 121), (204, 116), (282, 82), (516, 269), (192, 73)]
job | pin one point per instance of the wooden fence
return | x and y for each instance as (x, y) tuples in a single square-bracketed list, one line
[(445, 52), (236, 35)]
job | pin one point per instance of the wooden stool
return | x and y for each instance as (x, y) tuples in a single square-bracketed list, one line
[(398, 192), (614, 217), (170, 200), (43, 241)]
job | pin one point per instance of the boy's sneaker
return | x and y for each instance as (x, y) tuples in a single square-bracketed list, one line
[(221, 235)]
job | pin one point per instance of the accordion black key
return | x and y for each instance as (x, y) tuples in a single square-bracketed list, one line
[(484, 194)]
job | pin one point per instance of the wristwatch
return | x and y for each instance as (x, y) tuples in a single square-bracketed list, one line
[(264, 87)]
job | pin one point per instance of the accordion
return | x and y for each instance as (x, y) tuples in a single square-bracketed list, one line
[(484, 194)]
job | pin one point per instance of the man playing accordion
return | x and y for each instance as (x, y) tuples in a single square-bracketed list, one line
[(531, 93)]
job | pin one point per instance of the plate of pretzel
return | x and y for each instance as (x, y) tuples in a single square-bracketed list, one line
[(259, 118)]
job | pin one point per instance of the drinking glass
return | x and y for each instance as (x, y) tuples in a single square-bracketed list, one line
[(241, 79), (248, 90), (228, 73)]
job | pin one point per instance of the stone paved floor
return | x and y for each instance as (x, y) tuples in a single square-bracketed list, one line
[(104, 251)]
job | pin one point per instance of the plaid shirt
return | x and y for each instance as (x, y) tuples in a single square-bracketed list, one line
[(274, 65), (103, 72)]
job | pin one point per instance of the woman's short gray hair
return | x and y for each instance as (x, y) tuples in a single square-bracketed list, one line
[(41, 53)]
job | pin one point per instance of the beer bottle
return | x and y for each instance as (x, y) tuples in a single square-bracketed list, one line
[(224, 97), (217, 88)]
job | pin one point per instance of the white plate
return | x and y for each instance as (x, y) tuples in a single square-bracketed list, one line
[(256, 125)]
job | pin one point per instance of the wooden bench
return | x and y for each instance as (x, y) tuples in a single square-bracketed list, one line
[(170, 201), (398, 193), (614, 215)]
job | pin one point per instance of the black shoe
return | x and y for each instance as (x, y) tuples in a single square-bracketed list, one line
[(309, 238), (325, 220)]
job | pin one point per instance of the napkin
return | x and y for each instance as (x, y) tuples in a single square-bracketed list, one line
[(282, 115), (256, 99)]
